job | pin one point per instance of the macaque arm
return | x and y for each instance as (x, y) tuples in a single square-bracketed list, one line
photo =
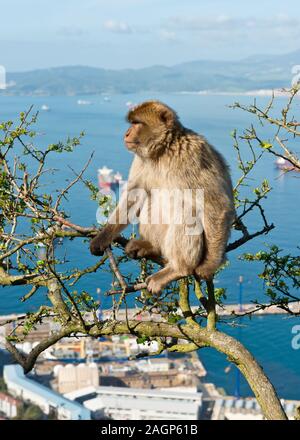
[(127, 208)]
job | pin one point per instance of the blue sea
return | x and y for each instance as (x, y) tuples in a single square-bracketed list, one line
[(269, 337)]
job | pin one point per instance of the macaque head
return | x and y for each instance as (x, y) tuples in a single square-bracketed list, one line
[(152, 126)]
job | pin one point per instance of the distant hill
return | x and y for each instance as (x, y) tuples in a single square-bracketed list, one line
[(256, 72)]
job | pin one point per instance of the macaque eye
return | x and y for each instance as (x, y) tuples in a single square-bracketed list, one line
[(138, 122)]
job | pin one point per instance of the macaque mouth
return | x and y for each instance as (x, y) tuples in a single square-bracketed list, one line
[(132, 145)]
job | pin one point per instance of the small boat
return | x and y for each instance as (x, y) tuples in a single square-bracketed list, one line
[(284, 164), (83, 102), (108, 180), (45, 108), (105, 177), (106, 99)]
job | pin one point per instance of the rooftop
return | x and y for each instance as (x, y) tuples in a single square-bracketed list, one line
[(72, 395), (149, 393), (14, 374), (9, 399), (142, 403)]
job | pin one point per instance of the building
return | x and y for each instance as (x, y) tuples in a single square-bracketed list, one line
[(161, 372), (156, 379), (247, 409), (74, 377), (9, 405), (144, 404), (82, 394), (49, 401)]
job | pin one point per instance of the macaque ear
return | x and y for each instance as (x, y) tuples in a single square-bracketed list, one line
[(167, 116)]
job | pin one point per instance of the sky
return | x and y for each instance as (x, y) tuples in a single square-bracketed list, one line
[(138, 33)]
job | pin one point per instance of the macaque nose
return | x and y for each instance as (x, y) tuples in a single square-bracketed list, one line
[(127, 133)]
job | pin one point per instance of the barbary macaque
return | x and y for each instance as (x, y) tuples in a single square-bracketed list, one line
[(168, 156)]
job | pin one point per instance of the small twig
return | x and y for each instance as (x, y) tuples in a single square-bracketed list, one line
[(131, 288), (290, 157), (73, 182), (30, 294), (236, 244), (115, 269), (71, 225)]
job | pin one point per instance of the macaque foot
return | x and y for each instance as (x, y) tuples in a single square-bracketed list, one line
[(154, 283), (139, 249), (205, 273), (159, 280)]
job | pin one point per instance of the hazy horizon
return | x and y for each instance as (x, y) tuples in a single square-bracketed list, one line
[(151, 65)]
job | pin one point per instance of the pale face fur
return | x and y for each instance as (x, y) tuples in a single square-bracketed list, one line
[(169, 156)]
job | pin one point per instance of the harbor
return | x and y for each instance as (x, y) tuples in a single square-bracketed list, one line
[(222, 310)]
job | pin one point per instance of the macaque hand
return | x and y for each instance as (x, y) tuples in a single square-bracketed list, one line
[(99, 243)]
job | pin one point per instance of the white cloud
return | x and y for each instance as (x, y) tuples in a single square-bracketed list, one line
[(224, 22), (118, 27), (222, 18), (182, 23), (166, 35)]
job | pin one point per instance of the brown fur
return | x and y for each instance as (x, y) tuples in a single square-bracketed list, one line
[(168, 155)]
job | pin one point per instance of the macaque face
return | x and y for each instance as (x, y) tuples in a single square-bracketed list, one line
[(138, 137), (150, 123), (133, 136)]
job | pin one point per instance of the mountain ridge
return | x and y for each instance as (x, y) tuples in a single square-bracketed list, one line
[(251, 73)]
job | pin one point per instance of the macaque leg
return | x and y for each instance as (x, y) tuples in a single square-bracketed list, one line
[(140, 249), (157, 281)]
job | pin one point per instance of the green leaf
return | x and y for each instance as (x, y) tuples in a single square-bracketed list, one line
[(266, 145), (142, 339)]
